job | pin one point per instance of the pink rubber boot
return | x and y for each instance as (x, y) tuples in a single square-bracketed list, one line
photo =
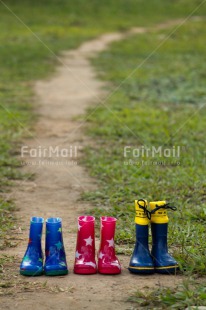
[(85, 249), (108, 263)]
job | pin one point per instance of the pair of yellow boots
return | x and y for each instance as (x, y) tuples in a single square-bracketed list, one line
[(158, 260)]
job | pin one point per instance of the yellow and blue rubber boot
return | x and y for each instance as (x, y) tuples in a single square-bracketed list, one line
[(163, 262), (141, 261), (55, 263), (32, 262)]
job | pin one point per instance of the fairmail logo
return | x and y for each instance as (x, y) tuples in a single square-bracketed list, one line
[(49, 152), (153, 151)]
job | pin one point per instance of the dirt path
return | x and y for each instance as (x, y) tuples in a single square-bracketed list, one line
[(57, 189)]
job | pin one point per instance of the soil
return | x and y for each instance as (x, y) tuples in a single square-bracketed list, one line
[(57, 189)]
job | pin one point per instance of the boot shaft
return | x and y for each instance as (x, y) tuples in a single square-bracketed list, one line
[(85, 248), (54, 246), (107, 245), (159, 237), (159, 225), (142, 220), (32, 262), (141, 260), (142, 216), (108, 262), (35, 233), (86, 233), (163, 262), (53, 231), (108, 225), (142, 234), (55, 263)]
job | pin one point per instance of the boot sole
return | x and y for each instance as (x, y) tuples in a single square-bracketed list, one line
[(141, 270), (108, 271), (31, 273), (85, 271), (56, 273), (167, 269)]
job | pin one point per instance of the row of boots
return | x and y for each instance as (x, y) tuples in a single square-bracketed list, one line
[(142, 260), (55, 258)]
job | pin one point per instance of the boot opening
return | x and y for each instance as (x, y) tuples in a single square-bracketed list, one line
[(86, 218), (35, 219), (54, 220), (108, 219)]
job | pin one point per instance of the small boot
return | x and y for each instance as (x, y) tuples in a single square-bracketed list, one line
[(108, 263), (163, 261), (141, 260), (85, 248), (32, 262), (55, 263)]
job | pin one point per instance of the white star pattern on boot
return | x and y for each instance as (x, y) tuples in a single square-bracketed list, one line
[(116, 264), (77, 255), (79, 227), (101, 255), (90, 264), (111, 242), (88, 240)]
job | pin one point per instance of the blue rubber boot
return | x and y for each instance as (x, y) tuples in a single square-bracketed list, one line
[(32, 262), (163, 262), (55, 263), (141, 261)]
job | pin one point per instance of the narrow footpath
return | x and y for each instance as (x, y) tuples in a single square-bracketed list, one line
[(56, 191)]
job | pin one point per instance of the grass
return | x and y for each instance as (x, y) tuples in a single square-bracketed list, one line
[(161, 104), (152, 108), (185, 295), (25, 57)]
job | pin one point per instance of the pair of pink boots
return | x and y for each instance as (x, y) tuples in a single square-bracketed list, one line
[(85, 262)]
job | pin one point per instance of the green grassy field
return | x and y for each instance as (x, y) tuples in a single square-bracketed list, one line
[(161, 104), (31, 34), (163, 95)]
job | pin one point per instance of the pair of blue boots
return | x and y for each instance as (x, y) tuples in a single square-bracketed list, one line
[(55, 259), (158, 260)]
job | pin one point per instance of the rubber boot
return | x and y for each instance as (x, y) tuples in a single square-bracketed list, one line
[(32, 262), (108, 263), (55, 263), (85, 248), (163, 262), (141, 261)]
